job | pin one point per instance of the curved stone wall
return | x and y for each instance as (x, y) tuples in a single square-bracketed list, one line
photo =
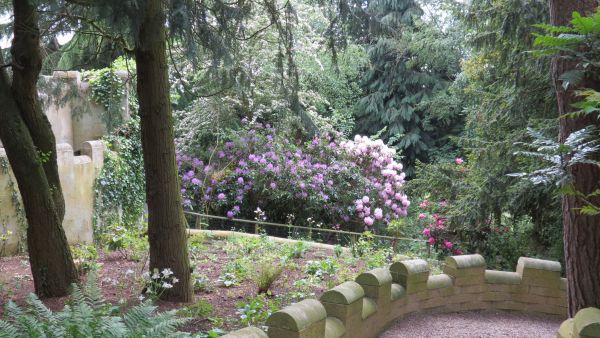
[(377, 298)]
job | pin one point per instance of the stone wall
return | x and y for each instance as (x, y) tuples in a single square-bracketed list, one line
[(376, 299), (77, 174), (77, 123)]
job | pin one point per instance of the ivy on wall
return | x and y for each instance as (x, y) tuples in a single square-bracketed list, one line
[(120, 186)]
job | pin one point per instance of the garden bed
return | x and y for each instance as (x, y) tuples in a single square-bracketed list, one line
[(226, 274)]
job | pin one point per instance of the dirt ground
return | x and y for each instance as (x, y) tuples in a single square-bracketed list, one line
[(118, 283)]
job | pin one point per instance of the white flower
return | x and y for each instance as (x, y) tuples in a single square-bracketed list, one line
[(146, 274), (155, 275), (175, 280), (167, 272), (128, 272), (166, 285), (141, 297)]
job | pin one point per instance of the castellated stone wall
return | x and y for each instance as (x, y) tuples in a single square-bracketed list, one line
[(78, 123), (376, 299)]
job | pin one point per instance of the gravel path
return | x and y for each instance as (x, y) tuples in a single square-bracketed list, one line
[(476, 324)]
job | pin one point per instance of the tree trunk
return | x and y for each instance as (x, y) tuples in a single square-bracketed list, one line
[(581, 233), (166, 223), (31, 151)]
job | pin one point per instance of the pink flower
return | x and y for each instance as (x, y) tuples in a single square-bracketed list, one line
[(459, 161), (378, 213), (431, 241), (424, 204), (368, 221), (221, 196), (365, 199), (421, 216), (458, 252), (447, 244), (427, 232)]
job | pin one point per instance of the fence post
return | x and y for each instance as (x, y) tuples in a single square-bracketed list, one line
[(256, 225), (198, 224)]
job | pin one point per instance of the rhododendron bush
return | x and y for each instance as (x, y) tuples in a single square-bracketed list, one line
[(342, 184)]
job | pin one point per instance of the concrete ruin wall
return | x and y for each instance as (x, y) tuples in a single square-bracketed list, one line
[(376, 299), (78, 124)]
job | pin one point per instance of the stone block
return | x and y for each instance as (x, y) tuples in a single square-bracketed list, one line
[(470, 280), (539, 272), (345, 293), (563, 284), (334, 328), (477, 288), (305, 319), (345, 302), (377, 285), (397, 291), (561, 301), (547, 309), (509, 305), (496, 296), (464, 298), (566, 329), (410, 273), (470, 306), (502, 277), (547, 292), (247, 332), (369, 308), (587, 322), (433, 303), (531, 299), (439, 282)]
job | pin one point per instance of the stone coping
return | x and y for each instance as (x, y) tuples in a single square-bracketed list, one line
[(377, 298)]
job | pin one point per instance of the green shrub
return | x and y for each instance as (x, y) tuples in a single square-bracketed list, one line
[(322, 268), (256, 310), (267, 274), (200, 309), (295, 250)]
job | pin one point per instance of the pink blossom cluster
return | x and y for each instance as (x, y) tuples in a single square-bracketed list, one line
[(435, 230), (386, 177), (342, 183)]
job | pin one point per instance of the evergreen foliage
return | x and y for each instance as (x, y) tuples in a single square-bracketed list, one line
[(411, 62)]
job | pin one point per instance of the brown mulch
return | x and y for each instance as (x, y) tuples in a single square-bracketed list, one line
[(475, 324), (118, 284)]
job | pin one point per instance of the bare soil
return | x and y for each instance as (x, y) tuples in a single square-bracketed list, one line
[(117, 278)]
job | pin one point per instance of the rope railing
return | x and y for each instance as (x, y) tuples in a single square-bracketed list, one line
[(258, 224)]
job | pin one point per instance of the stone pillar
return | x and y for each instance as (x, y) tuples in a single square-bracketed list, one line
[(345, 302), (585, 324), (305, 319)]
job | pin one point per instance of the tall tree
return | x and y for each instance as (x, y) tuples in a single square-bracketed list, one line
[(166, 223), (581, 232), (31, 149)]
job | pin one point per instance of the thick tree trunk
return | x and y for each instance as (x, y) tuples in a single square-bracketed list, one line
[(22, 126), (27, 58), (581, 233), (166, 223)]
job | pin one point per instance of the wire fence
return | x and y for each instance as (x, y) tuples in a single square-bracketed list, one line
[(256, 225)]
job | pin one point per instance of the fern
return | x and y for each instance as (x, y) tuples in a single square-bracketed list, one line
[(86, 314)]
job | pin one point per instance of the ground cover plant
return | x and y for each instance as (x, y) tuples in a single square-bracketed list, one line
[(238, 281)]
